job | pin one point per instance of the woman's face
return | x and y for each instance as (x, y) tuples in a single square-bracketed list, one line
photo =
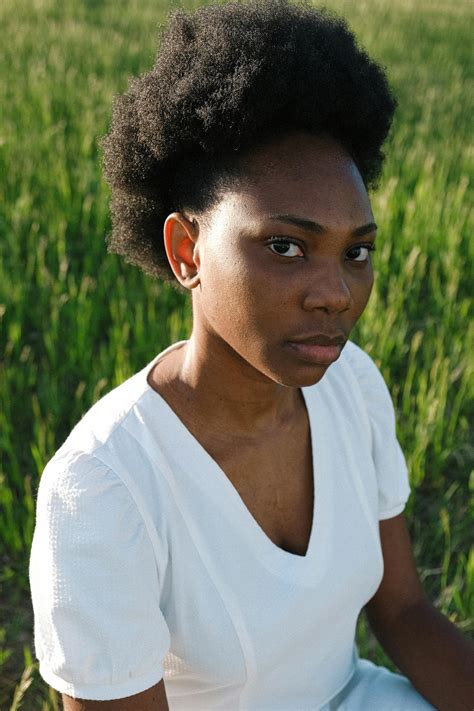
[(284, 256)]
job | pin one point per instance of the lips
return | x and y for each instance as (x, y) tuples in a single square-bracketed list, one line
[(320, 339), (319, 348)]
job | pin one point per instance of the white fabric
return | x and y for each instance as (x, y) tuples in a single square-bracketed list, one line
[(146, 563), (376, 689)]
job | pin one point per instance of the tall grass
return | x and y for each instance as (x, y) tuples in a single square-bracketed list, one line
[(76, 322)]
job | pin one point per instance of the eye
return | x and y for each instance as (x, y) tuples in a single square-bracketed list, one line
[(360, 253), (285, 247)]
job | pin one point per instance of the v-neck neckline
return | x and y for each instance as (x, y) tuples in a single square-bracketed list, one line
[(195, 458)]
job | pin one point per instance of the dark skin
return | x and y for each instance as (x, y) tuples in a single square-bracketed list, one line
[(237, 374)]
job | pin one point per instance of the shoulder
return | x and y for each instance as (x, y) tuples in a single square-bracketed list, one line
[(104, 417), (379, 413), (85, 510), (68, 472), (361, 364), (364, 370), (78, 491), (104, 475)]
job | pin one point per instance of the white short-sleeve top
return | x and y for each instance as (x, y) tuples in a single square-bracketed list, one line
[(146, 563)]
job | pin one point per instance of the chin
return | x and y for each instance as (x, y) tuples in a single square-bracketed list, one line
[(300, 379)]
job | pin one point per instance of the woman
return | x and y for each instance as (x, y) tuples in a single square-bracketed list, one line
[(209, 532)]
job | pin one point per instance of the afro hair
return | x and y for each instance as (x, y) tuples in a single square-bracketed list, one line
[(226, 78)]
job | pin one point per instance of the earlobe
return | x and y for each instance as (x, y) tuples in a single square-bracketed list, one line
[(180, 237)]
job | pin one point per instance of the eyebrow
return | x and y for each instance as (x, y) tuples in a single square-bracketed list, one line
[(320, 229)]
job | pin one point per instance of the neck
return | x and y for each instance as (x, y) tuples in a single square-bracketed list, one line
[(225, 391)]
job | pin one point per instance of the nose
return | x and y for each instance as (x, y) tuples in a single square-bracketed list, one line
[(327, 290)]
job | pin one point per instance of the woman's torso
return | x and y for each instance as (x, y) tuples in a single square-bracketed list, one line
[(259, 617), (251, 625), (257, 466)]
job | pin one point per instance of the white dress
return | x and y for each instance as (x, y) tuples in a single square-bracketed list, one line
[(146, 563)]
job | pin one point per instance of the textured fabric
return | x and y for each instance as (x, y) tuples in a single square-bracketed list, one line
[(146, 564)]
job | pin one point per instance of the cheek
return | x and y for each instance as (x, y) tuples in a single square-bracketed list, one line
[(224, 293), (236, 298)]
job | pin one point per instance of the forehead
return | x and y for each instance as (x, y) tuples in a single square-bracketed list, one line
[(301, 174)]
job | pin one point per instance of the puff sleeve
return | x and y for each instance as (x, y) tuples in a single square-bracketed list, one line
[(389, 461), (99, 632)]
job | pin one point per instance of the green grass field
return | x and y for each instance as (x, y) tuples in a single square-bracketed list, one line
[(76, 322)]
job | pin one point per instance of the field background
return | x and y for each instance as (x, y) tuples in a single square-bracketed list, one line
[(76, 322)]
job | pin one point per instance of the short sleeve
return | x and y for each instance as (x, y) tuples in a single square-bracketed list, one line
[(389, 461), (99, 631)]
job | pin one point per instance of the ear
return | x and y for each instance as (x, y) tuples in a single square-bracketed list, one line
[(180, 237)]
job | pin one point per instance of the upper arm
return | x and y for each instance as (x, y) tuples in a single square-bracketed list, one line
[(392, 481), (153, 699), (400, 587), (92, 567)]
